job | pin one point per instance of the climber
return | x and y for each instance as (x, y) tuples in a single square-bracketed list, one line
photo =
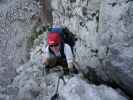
[(58, 53)]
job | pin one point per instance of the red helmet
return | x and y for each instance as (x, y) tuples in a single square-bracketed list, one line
[(54, 38)]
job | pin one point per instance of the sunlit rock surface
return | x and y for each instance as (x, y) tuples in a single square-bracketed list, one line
[(104, 44), (15, 26), (77, 89), (115, 33), (104, 36), (33, 84)]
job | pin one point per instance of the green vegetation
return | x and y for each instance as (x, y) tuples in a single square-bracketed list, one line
[(37, 30), (34, 35)]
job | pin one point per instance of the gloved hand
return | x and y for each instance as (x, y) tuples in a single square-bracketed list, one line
[(73, 70), (47, 69), (70, 66)]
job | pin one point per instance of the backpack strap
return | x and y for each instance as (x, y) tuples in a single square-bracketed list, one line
[(51, 51), (62, 51), (63, 56)]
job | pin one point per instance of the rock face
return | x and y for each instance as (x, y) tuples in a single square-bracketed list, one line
[(80, 17), (79, 90), (33, 84), (15, 25), (104, 32), (116, 20), (104, 44)]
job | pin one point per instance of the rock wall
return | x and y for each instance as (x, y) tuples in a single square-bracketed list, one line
[(115, 33), (104, 32), (33, 84), (15, 26), (80, 17), (104, 44)]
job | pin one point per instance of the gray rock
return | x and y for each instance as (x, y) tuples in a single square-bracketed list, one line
[(80, 90), (104, 33), (15, 24), (104, 36), (116, 34)]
